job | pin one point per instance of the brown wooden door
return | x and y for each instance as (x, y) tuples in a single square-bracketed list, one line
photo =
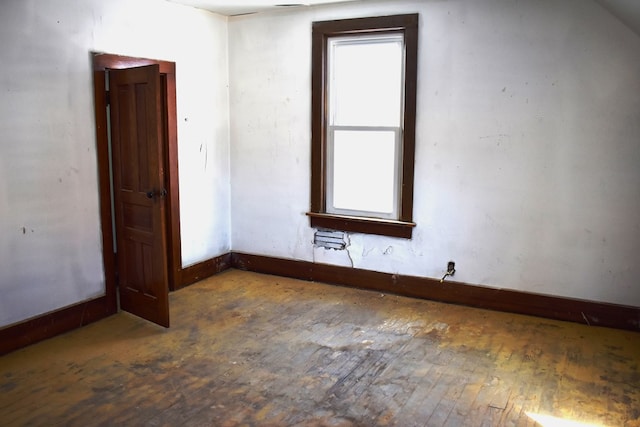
[(139, 192)]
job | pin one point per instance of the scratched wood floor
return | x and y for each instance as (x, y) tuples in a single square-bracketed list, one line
[(252, 350)]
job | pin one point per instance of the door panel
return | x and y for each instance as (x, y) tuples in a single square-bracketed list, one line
[(139, 194)]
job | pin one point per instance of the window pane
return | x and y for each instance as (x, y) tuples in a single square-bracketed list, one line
[(366, 81), (364, 170)]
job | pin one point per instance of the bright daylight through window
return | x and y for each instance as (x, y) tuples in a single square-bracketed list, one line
[(363, 102), (364, 124)]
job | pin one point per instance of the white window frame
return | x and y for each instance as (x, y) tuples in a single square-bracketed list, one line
[(367, 39)]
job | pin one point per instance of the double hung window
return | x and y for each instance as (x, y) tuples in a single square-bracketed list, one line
[(363, 125)]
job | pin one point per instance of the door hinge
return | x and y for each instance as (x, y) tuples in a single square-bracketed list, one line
[(107, 97)]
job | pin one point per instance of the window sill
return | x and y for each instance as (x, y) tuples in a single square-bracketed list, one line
[(382, 227)]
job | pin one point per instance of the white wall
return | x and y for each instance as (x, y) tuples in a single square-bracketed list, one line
[(50, 239), (528, 145)]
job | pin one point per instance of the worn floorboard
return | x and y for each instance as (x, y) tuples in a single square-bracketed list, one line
[(246, 350)]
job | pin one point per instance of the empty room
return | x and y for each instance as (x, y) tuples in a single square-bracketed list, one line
[(328, 213)]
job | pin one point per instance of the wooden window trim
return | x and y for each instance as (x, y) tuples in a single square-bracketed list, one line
[(362, 224), (321, 31)]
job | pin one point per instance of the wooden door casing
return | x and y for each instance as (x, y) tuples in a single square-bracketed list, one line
[(103, 63)]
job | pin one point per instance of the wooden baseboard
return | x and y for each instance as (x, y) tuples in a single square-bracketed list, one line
[(67, 319), (552, 307), (204, 269), (574, 310), (55, 323)]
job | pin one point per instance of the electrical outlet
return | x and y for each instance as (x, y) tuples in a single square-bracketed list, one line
[(451, 268)]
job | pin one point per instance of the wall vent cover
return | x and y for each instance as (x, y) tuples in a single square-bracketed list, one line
[(330, 239)]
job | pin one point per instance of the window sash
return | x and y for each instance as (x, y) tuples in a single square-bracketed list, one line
[(366, 41), (396, 174)]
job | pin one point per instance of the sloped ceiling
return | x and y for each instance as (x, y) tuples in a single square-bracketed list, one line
[(627, 11), (241, 7)]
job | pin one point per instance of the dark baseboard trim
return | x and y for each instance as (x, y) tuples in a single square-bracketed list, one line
[(204, 269), (591, 313), (14, 337), (51, 324), (552, 307)]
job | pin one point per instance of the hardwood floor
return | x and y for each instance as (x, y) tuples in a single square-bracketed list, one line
[(250, 349)]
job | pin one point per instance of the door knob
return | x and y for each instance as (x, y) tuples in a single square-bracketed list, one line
[(161, 193)]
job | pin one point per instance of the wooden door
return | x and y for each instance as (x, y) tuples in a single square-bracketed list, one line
[(139, 192)]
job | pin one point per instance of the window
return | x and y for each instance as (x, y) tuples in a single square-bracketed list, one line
[(363, 124)]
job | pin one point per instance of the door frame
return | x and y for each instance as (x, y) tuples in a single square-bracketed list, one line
[(102, 62)]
